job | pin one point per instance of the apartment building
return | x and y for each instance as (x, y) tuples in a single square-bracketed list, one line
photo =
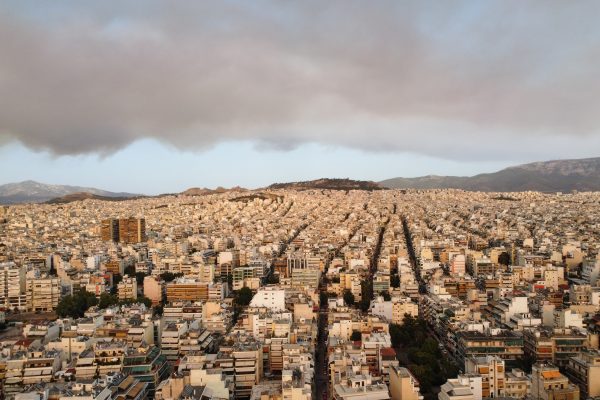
[(154, 289), (12, 286), (491, 369), (43, 294), (127, 288), (403, 385), (547, 383), (132, 230), (584, 371), (184, 289)]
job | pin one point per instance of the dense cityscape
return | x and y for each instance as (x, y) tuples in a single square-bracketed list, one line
[(299, 200), (302, 294)]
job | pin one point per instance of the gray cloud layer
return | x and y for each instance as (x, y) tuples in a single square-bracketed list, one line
[(436, 78)]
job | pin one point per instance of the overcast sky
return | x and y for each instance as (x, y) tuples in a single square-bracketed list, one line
[(157, 96)]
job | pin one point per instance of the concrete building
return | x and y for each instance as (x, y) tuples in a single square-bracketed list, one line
[(547, 383), (184, 289), (43, 294), (132, 230), (491, 369), (154, 289), (403, 385), (12, 286), (464, 387), (269, 297), (584, 371), (127, 288)]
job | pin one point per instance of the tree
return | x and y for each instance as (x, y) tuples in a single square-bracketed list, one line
[(158, 310), (323, 298), (130, 270), (386, 295), (107, 300), (146, 301), (117, 278), (243, 297), (169, 276), (504, 258), (139, 277), (348, 297), (76, 305), (356, 336), (395, 281), (272, 279), (366, 288)]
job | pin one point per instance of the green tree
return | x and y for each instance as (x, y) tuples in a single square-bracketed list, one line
[(243, 297), (130, 270), (158, 310), (323, 298), (76, 305), (395, 281), (139, 277), (356, 336), (366, 288), (107, 300), (504, 258), (169, 276), (386, 295), (117, 278), (145, 301), (348, 297), (272, 279)]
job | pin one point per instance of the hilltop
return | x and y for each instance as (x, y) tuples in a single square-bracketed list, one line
[(36, 192), (329, 184), (546, 176)]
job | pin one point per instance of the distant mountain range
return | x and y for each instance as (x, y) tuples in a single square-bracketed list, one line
[(546, 176), (35, 192), (327, 183)]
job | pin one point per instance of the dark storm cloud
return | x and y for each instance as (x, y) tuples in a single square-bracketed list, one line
[(436, 78)]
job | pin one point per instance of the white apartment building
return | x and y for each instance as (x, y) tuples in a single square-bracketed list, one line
[(12, 286)]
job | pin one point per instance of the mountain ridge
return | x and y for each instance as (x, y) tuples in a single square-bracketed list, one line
[(30, 191), (544, 176)]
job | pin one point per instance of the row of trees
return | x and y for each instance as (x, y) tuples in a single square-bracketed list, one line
[(421, 354), (78, 303)]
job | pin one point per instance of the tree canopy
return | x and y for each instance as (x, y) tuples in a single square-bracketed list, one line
[(76, 305), (243, 297), (348, 298), (169, 276), (504, 258)]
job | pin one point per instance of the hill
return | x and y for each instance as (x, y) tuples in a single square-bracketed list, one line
[(68, 198), (546, 176), (330, 184), (36, 192), (205, 191)]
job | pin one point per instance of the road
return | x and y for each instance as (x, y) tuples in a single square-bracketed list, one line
[(321, 370)]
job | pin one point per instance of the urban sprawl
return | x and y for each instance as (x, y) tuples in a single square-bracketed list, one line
[(302, 294)]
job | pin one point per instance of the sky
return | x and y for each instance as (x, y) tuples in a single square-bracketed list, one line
[(154, 97)]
